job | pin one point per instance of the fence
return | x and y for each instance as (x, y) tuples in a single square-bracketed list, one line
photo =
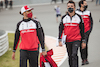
[(3, 42)]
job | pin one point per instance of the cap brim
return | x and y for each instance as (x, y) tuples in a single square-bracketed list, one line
[(27, 10), (30, 9)]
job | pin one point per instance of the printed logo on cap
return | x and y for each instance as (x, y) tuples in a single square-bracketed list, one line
[(26, 7)]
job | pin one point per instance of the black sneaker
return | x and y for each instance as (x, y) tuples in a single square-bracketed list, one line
[(87, 62), (84, 62)]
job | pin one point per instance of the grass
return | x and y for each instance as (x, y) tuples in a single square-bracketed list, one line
[(6, 59)]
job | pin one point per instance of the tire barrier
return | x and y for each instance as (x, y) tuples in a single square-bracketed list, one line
[(4, 45)]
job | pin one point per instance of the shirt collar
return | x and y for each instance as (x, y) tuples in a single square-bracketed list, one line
[(69, 15), (80, 10), (26, 20)]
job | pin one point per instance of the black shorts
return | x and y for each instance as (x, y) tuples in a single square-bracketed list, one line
[(58, 15)]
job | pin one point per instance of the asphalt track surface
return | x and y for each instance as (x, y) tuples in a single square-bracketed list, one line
[(47, 16)]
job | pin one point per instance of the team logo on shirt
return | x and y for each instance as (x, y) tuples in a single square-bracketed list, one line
[(71, 24), (84, 16), (26, 31), (75, 20), (31, 25)]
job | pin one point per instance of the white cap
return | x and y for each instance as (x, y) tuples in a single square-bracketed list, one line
[(25, 8)]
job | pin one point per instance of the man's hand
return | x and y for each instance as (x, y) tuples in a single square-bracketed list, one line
[(44, 53), (60, 44), (83, 45), (13, 56)]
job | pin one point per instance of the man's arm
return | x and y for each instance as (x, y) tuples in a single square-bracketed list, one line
[(40, 34), (61, 27), (81, 25), (91, 21), (17, 38), (16, 41)]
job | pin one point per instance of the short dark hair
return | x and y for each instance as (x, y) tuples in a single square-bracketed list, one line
[(72, 2), (81, 2), (20, 13)]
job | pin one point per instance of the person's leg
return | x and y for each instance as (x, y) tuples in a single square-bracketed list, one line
[(84, 52), (38, 53), (2, 5), (55, 1), (86, 49), (57, 18), (69, 50), (62, 1), (96, 2), (51, 1), (5, 5), (99, 2), (87, 39), (75, 47), (33, 58), (23, 58), (60, 16), (10, 6)]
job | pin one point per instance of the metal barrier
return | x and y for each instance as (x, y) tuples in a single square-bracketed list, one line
[(4, 45)]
